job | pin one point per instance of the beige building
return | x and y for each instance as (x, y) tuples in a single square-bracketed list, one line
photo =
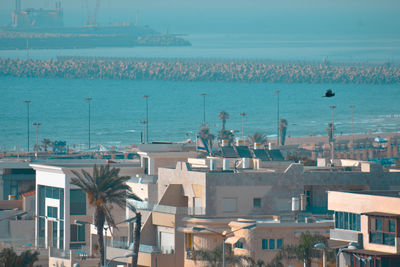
[(221, 190), (370, 221)]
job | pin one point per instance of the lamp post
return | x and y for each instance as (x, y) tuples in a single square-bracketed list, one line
[(143, 131), (37, 124), (204, 108), (352, 129), (224, 236), (321, 246), (351, 246), (277, 118), (243, 114), (27, 102), (146, 97), (88, 100), (333, 133)]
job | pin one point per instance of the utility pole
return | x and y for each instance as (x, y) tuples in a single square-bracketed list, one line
[(147, 117), (277, 119), (88, 100), (333, 133), (204, 108), (37, 124), (27, 102), (243, 114)]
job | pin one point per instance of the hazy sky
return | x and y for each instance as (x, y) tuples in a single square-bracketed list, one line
[(260, 16)]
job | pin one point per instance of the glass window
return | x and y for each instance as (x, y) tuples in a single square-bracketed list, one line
[(388, 239), (77, 233), (271, 244), (52, 212), (77, 202), (239, 244), (256, 202), (61, 244), (264, 244), (42, 200), (392, 226), (279, 243), (378, 224), (54, 234)]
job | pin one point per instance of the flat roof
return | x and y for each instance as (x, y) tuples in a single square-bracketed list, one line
[(88, 163), (384, 193)]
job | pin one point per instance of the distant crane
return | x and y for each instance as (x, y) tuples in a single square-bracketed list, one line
[(92, 21)]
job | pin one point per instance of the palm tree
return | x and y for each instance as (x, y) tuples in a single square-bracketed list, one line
[(207, 137), (259, 138), (214, 257), (9, 258), (138, 226), (27, 258), (46, 142), (282, 129), (304, 250), (104, 188), (223, 116)]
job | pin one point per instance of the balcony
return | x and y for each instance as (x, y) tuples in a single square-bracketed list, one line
[(146, 206), (347, 235), (68, 258)]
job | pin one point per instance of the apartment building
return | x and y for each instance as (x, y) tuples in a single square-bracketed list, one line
[(369, 222)]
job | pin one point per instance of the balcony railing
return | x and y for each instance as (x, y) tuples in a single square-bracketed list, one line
[(167, 209), (149, 249), (58, 253)]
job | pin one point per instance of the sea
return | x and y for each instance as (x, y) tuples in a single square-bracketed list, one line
[(175, 109)]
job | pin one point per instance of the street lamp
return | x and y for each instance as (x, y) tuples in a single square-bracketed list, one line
[(352, 128), (321, 246), (277, 118), (333, 133), (144, 122), (88, 101), (243, 114), (224, 236), (37, 124), (147, 117), (204, 108), (27, 102), (351, 246)]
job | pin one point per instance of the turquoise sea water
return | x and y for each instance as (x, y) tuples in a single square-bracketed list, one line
[(176, 109)]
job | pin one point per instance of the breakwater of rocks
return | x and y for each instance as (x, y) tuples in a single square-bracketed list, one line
[(201, 70)]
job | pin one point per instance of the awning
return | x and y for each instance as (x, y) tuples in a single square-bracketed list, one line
[(233, 240)]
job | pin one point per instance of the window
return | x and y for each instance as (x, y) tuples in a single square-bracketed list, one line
[(239, 244), (77, 233), (256, 202), (271, 244), (348, 221), (279, 243), (54, 234), (77, 202), (52, 212), (265, 244), (382, 230), (229, 204)]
